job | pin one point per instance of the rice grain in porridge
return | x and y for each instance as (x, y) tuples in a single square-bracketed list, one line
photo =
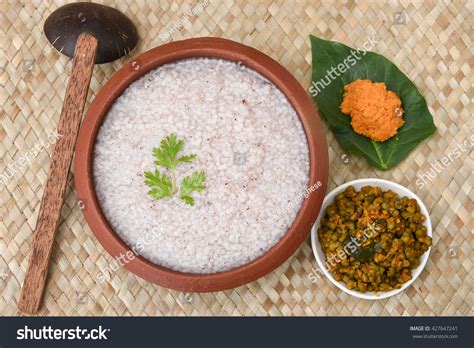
[(249, 141)]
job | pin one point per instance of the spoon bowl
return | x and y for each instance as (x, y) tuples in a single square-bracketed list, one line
[(115, 33)]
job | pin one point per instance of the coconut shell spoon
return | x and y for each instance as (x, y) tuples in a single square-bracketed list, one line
[(90, 34)]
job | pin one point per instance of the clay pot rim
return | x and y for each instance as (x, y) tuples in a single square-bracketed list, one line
[(201, 47)]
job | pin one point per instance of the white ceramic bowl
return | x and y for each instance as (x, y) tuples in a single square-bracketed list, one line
[(358, 184)]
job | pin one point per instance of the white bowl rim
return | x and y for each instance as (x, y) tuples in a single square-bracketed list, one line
[(401, 190)]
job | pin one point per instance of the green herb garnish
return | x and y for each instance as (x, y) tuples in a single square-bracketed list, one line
[(191, 183), (162, 185)]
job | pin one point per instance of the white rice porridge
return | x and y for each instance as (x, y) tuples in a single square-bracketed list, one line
[(249, 141)]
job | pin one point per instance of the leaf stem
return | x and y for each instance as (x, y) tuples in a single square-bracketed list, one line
[(174, 188)]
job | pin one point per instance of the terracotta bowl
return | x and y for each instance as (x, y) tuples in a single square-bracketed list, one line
[(174, 51)]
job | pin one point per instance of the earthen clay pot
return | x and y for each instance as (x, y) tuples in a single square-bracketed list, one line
[(202, 47)]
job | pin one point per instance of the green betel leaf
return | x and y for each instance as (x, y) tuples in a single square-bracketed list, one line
[(326, 56)]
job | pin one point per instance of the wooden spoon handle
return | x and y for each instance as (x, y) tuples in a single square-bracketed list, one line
[(53, 196)]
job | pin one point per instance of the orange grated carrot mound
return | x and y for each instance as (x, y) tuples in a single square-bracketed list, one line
[(375, 111)]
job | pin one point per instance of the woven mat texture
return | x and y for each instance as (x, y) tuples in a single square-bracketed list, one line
[(429, 40)]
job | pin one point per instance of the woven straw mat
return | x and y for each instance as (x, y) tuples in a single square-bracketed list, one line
[(429, 40)]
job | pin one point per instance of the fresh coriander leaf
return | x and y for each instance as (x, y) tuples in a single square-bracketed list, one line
[(161, 184), (191, 183), (188, 199), (186, 159), (165, 155), (165, 186)]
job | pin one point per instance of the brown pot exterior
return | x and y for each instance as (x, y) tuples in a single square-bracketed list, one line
[(202, 47)]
